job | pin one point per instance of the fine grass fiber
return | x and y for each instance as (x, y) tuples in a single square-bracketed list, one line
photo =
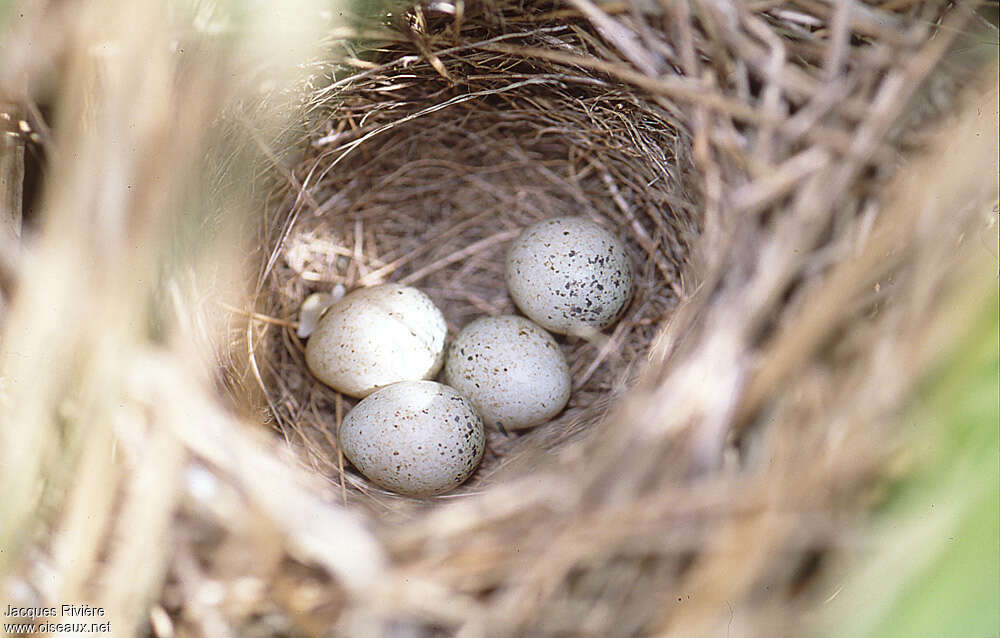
[(808, 192)]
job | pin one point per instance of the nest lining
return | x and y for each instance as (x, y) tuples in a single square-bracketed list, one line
[(423, 177)]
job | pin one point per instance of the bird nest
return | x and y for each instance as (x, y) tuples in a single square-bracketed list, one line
[(773, 168)]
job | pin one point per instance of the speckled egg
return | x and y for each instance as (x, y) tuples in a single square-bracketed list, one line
[(377, 336), (511, 369), (415, 437), (569, 275)]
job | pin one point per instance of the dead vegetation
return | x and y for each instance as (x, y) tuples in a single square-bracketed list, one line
[(802, 185)]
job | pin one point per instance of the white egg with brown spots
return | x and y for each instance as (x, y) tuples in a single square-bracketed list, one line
[(570, 275), (417, 438), (511, 369), (375, 337)]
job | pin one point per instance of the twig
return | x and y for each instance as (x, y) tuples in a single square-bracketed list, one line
[(256, 316)]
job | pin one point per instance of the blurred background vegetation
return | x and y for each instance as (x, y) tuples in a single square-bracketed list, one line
[(931, 565)]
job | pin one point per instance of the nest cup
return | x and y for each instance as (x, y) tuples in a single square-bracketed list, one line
[(422, 169)]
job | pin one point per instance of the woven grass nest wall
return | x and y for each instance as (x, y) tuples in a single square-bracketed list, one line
[(776, 172)]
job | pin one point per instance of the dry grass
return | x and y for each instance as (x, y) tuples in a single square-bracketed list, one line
[(775, 168), (411, 178)]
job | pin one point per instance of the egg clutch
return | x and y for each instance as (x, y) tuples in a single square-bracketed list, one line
[(383, 344)]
